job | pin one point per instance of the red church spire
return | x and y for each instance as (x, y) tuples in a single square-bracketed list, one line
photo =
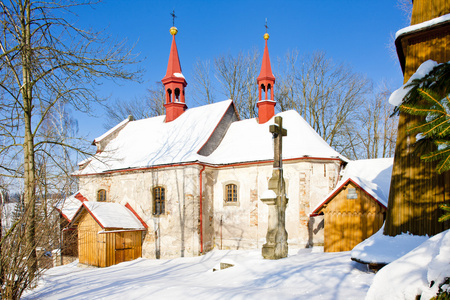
[(266, 80), (174, 83)]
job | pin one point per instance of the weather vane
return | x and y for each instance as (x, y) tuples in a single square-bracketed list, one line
[(173, 17), (266, 25)]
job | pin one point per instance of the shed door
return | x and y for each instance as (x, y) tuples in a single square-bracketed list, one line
[(124, 247)]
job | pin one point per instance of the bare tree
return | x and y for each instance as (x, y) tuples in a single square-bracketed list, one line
[(45, 61), (237, 77), (202, 86), (150, 105), (326, 94), (406, 7), (377, 129)]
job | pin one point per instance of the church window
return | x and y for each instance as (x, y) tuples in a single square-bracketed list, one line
[(231, 192), (159, 200), (101, 195)]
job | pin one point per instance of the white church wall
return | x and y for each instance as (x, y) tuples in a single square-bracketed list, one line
[(225, 226), (244, 226), (172, 234)]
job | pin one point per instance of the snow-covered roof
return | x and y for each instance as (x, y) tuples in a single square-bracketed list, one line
[(371, 175), (423, 25), (69, 206), (113, 215), (152, 141), (247, 141), (103, 136)]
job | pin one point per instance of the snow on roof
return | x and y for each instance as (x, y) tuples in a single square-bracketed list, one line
[(397, 96), (383, 249), (247, 141), (152, 141), (178, 75), (113, 215), (121, 124), (372, 175), (423, 25), (69, 206), (416, 275)]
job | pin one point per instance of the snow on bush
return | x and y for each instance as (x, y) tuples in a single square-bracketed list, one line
[(420, 272)]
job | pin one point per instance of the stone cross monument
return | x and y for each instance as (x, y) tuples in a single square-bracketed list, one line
[(276, 246)]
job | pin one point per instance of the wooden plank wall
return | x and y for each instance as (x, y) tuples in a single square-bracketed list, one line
[(416, 190), (89, 248), (424, 10), (350, 221)]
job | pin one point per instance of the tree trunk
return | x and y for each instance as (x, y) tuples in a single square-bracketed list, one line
[(28, 145)]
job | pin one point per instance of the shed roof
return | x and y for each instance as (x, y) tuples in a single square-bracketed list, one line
[(70, 205), (373, 176), (111, 216)]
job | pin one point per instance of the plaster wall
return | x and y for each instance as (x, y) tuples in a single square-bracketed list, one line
[(225, 226), (172, 234), (244, 225)]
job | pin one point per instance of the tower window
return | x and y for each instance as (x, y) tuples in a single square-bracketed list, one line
[(169, 95), (177, 95)]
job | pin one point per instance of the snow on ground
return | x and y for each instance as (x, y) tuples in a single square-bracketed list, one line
[(303, 275)]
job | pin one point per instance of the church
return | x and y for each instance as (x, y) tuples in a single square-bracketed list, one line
[(194, 177)]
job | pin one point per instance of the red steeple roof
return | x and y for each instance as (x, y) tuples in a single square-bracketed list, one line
[(173, 65), (266, 69)]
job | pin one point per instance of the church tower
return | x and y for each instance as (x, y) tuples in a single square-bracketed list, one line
[(174, 83), (266, 80), (416, 190)]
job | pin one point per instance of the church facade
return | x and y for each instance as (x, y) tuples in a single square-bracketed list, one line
[(195, 176)]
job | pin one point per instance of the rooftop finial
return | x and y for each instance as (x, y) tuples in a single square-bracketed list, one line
[(266, 35), (173, 29)]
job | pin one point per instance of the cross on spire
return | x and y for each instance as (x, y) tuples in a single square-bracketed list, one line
[(266, 25), (173, 17)]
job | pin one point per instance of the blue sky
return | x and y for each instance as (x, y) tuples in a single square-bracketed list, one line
[(355, 32)]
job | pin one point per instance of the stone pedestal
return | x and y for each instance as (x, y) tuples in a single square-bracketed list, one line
[(276, 246)]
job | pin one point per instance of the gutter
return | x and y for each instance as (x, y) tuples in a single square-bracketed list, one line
[(201, 206)]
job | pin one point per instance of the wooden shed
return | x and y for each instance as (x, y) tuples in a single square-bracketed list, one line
[(108, 233), (69, 237), (356, 208)]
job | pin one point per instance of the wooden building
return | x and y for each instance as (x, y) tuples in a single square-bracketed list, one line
[(356, 208), (69, 236), (108, 233), (416, 190)]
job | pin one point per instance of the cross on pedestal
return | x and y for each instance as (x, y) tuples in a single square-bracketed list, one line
[(278, 132), (276, 239)]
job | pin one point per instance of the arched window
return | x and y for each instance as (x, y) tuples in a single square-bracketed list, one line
[(101, 195), (177, 95), (231, 193), (169, 95), (159, 200)]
